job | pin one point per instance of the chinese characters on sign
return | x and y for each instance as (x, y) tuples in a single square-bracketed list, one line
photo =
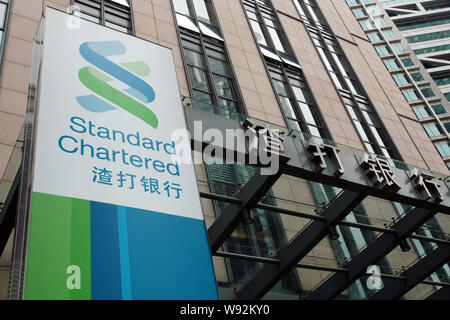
[(263, 140), (320, 152), (428, 188), (377, 169), (380, 172), (126, 180)]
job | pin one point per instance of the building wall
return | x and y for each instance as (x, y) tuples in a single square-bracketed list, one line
[(386, 97), (154, 21), (333, 111), (293, 193)]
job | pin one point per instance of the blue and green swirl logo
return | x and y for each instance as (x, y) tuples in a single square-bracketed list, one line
[(103, 71)]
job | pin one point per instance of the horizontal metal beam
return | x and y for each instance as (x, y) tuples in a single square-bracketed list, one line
[(289, 212), (414, 274), (376, 250), (311, 266), (299, 247), (220, 197), (433, 240), (441, 294), (301, 165), (276, 261), (271, 208), (255, 189)]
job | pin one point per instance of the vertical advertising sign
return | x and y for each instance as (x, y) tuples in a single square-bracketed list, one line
[(113, 214)]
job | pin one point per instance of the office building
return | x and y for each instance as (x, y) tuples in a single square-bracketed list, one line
[(332, 76)]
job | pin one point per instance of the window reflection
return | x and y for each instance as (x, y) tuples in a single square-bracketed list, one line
[(115, 14)]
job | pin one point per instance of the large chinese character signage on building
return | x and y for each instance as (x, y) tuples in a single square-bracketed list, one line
[(113, 214)]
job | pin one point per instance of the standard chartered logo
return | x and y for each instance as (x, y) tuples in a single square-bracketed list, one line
[(103, 72)]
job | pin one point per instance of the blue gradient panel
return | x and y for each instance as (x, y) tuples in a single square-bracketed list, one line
[(146, 255), (105, 261), (96, 53), (169, 257)]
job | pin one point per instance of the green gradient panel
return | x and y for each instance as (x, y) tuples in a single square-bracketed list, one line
[(59, 237)]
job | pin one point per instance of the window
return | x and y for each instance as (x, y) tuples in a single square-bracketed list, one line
[(443, 148), (201, 9), (442, 80), (397, 47), (4, 17), (197, 16), (410, 95), (429, 36), (447, 96), (407, 62), (417, 76), (432, 49), (433, 129), (374, 36), (4, 7), (447, 126), (366, 24), (389, 3), (210, 76), (432, 5), (383, 50), (391, 64), (422, 112), (427, 92), (359, 13), (266, 27), (389, 35), (380, 22), (400, 79), (114, 14), (439, 109), (430, 22), (296, 100)]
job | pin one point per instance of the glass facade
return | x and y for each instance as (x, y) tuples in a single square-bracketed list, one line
[(439, 109), (443, 148), (442, 80), (212, 82), (432, 49), (433, 130), (435, 21), (411, 81), (262, 238), (422, 112), (429, 36), (367, 123)]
